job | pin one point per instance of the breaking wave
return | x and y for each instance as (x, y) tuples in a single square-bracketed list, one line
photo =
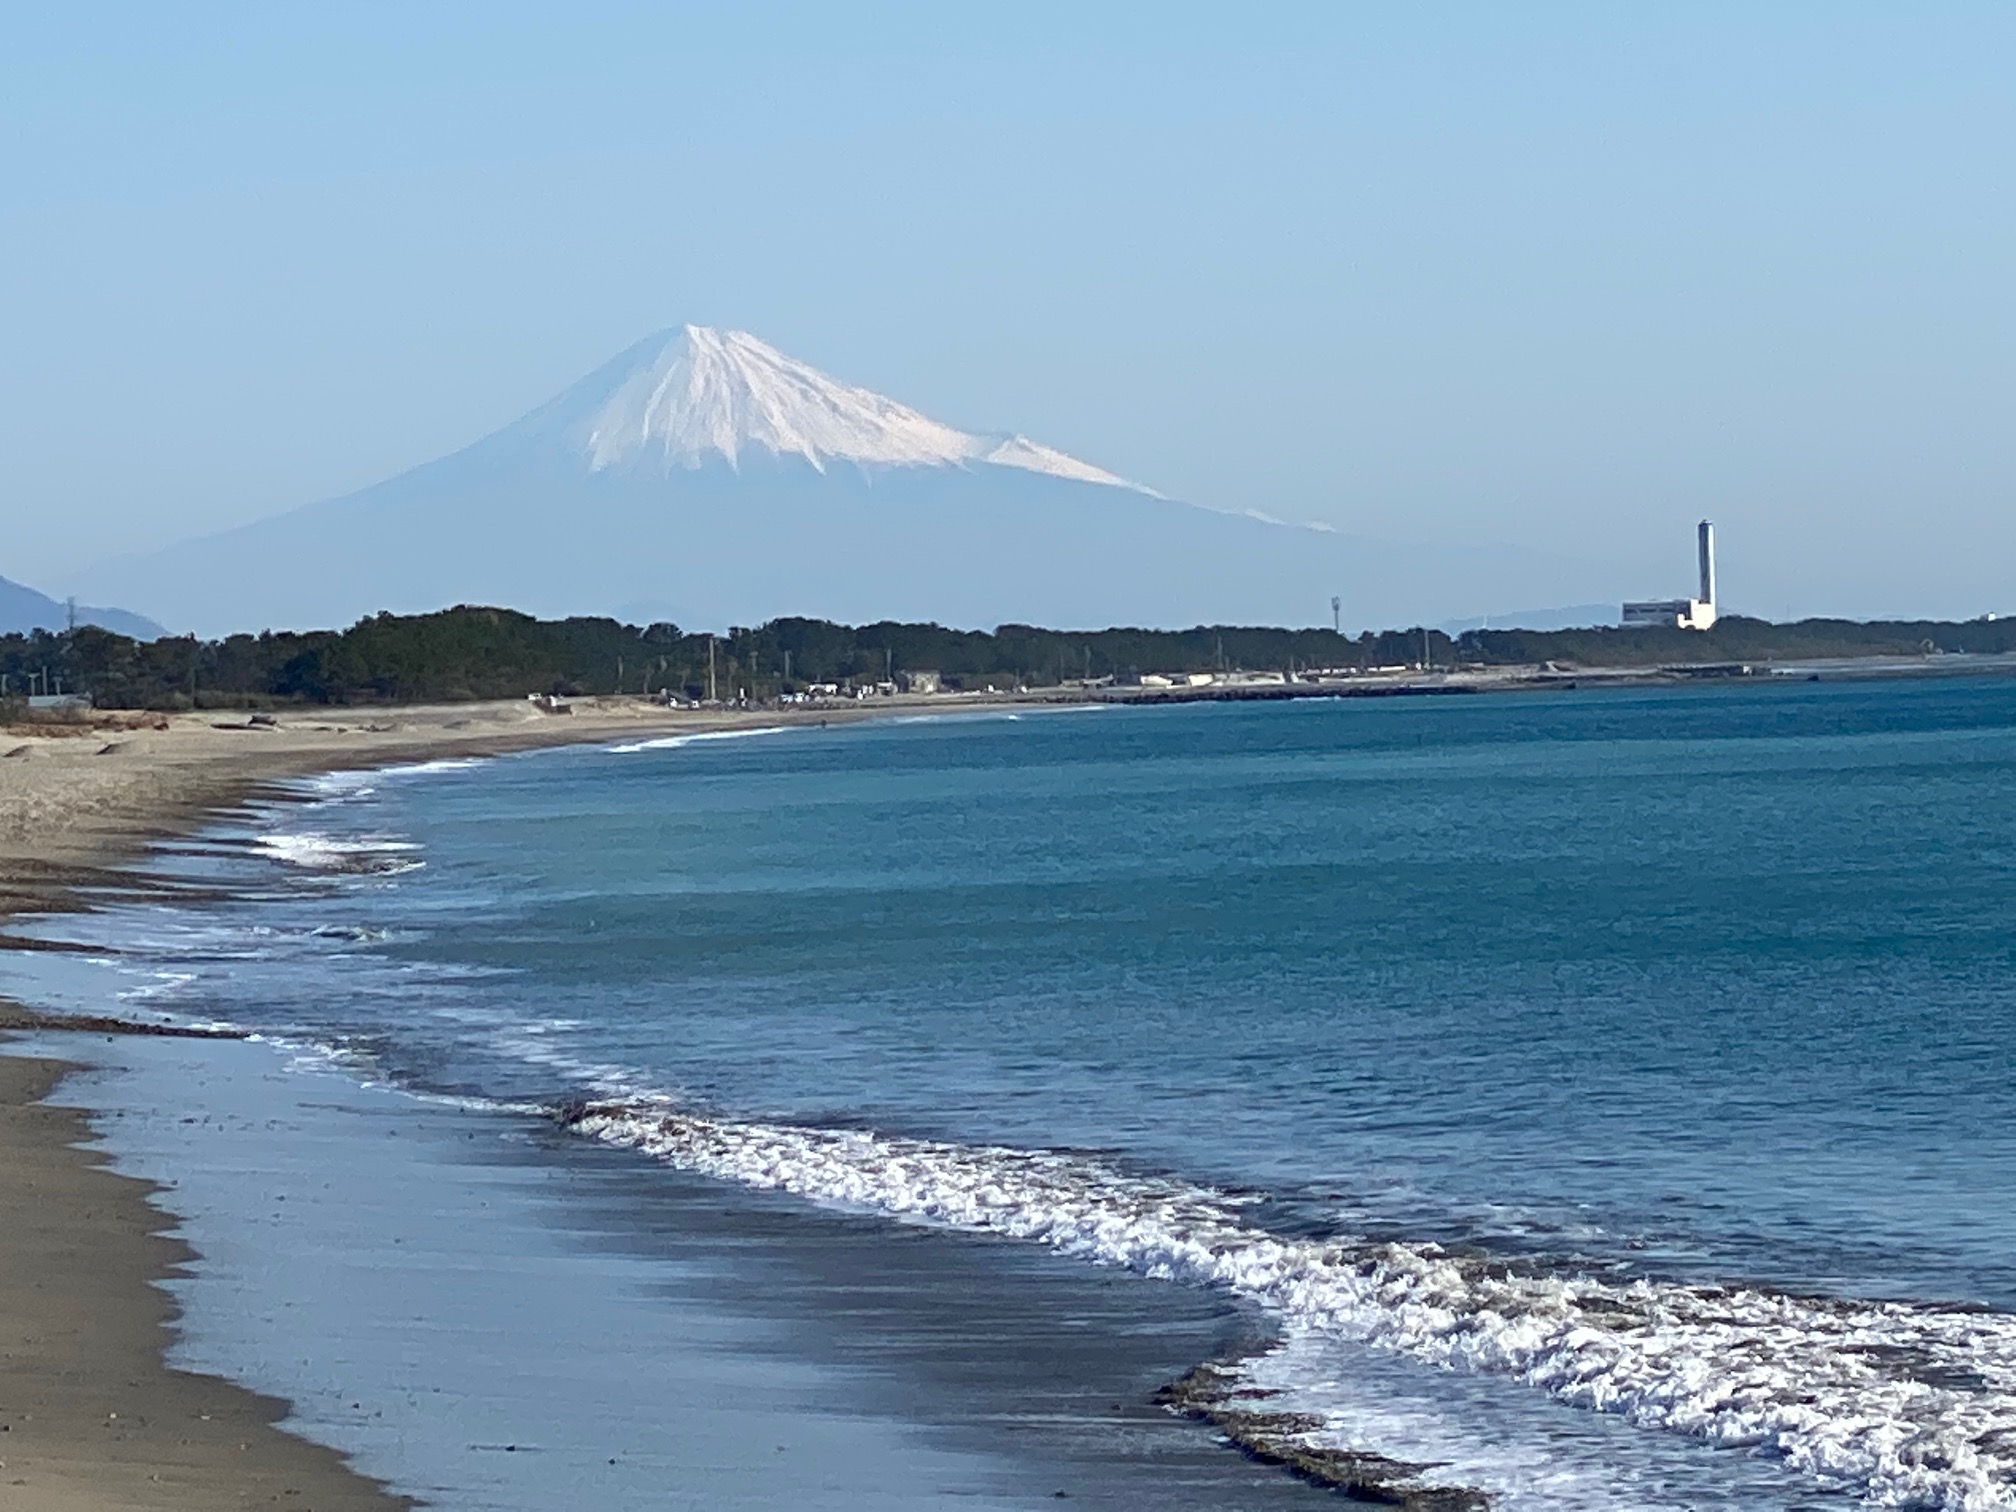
[(365, 854), (674, 742), (362, 782), (1906, 1404)]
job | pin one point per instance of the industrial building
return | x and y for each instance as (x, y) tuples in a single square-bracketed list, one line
[(1681, 614)]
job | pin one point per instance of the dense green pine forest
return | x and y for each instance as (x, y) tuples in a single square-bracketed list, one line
[(469, 653)]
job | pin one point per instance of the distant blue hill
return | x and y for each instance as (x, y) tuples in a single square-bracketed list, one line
[(1573, 617), (22, 609)]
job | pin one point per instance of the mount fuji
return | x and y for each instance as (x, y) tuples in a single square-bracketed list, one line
[(706, 478)]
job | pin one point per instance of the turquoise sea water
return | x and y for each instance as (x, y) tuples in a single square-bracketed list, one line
[(1605, 1097)]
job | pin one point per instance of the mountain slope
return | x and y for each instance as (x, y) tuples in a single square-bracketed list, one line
[(22, 609), (704, 477)]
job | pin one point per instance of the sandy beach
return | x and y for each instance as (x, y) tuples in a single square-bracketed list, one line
[(90, 1415), (78, 799)]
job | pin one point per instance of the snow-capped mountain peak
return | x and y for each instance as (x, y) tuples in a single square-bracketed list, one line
[(695, 393)]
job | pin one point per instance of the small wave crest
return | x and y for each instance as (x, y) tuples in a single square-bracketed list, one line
[(351, 934), (362, 854), (675, 742), (357, 783), (977, 716), (429, 768), (1908, 1405), (336, 783)]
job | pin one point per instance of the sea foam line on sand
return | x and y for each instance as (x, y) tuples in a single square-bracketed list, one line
[(1907, 1405)]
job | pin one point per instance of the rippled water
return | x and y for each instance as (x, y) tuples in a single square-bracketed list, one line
[(1609, 1096)]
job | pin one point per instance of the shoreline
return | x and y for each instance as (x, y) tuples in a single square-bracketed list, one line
[(77, 801), (113, 1383), (92, 1416), (74, 813)]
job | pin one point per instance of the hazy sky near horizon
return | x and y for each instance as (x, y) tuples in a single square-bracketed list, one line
[(1564, 276)]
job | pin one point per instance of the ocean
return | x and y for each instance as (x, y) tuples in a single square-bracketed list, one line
[(1594, 1100)]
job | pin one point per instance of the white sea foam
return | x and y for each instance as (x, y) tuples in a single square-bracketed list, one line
[(351, 934), (1363, 1404), (1907, 1405), (156, 986), (315, 851), (674, 742), (430, 768), (976, 716), (339, 784), (362, 782), (1015, 715), (407, 769)]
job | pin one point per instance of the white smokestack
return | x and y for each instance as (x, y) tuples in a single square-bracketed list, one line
[(1707, 561)]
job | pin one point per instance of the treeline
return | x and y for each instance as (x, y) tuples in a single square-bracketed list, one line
[(1737, 639), (472, 653)]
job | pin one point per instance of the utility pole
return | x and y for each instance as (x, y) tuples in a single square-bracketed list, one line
[(710, 671)]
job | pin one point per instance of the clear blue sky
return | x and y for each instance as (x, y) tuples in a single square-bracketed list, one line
[(1561, 274)]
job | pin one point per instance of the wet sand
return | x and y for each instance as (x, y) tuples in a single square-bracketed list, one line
[(90, 1416), (490, 1312)]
